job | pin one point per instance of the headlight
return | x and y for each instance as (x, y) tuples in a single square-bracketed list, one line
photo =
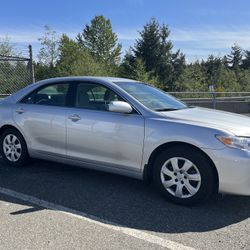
[(235, 141)]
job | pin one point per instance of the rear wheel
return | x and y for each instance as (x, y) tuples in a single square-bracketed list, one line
[(13, 148), (184, 175)]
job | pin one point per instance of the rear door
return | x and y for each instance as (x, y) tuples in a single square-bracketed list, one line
[(97, 135), (41, 116)]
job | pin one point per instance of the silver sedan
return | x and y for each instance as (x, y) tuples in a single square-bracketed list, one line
[(131, 128)]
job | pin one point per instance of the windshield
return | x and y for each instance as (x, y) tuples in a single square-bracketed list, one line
[(151, 97)]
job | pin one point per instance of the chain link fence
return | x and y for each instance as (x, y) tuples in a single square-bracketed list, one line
[(15, 73)]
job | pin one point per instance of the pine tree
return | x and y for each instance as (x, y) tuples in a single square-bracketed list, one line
[(100, 40), (234, 59), (192, 79), (246, 60), (69, 54), (148, 46), (155, 50), (140, 73), (128, 63), (211, 68)]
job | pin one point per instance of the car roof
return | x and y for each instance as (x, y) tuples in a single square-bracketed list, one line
[(84, 78), (115, 79)]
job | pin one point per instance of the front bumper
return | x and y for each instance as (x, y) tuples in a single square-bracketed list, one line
[(233, 167)]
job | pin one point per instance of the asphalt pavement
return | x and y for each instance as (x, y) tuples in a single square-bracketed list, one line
[(124, 213)]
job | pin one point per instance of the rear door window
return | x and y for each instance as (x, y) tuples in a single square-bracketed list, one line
[(52, 95)]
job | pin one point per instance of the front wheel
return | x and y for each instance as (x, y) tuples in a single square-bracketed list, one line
[(13, 148), (184, 175)]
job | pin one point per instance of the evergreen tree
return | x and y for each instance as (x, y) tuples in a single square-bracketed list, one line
[(193, 79), (155, 50), (140, 73), (246, 60), (234, 59), (75, 60), (244, 80), (126, 68), (69, 51), (100, 40), (44, 71), (148, 46), (227, 80), (134, 68), (211, 68)]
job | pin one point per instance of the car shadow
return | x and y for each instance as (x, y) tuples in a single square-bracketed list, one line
[(118, 199)]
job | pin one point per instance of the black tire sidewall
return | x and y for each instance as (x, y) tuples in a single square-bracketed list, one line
[(201, 162), (24, 155)]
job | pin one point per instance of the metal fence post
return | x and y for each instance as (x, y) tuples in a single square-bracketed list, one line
[(214, 100), (31, 65), (213, 93)]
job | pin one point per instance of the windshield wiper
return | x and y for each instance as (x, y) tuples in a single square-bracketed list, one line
[(166, 109)]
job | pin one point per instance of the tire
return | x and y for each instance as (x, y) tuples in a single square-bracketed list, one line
[(13, 148), (184, 175)]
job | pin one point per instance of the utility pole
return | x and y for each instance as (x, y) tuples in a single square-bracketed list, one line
[(32, 74)]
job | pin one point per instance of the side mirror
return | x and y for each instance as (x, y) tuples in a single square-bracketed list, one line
[(120, 107)]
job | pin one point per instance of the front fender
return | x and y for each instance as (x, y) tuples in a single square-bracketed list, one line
[(162, 131)]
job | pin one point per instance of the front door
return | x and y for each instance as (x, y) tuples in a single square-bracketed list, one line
[(97, 135)]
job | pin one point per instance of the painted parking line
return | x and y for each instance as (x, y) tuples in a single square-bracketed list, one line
[(96, 220)]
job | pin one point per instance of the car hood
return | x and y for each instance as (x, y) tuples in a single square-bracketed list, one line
[(234, 123)]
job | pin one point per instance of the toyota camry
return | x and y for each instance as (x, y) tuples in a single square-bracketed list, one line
[(130, 128)]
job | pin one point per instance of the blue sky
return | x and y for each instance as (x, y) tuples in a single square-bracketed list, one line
[(198, 27)]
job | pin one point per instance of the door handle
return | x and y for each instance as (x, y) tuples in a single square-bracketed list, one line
[(20, 111), (74, 118)]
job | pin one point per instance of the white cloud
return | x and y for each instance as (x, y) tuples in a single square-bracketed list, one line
[(21, 38), (31, 36), (213, 38), (127, 34)]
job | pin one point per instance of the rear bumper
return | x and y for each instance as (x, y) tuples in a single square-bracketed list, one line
[(233, 167)]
